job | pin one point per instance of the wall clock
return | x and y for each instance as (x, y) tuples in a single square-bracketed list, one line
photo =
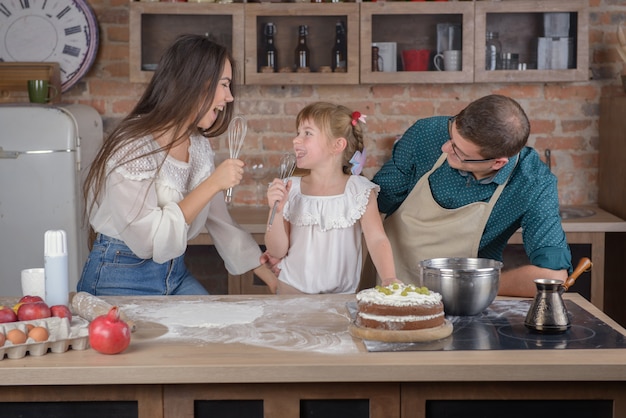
[(63, 31)]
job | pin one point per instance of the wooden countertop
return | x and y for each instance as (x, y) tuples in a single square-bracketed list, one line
[(254, 220), (289, 339), (602, 221)]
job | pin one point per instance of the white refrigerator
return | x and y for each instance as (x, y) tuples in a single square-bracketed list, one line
[(44, 155)]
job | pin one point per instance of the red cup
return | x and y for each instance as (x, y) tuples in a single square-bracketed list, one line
[(416, 59)]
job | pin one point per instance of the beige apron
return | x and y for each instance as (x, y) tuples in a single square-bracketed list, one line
[(421, 229)]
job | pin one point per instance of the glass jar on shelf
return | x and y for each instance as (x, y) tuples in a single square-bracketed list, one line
[(493, 51)]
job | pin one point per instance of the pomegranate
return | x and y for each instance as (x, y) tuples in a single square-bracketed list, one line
[(108, 334)]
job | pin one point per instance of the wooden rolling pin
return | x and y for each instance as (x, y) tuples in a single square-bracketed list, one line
[(90, 307)]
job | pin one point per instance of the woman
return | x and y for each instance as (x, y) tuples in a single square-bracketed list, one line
[(154, 185)]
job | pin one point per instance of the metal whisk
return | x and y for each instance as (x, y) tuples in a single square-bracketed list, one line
[(237, 130), (285, 170)]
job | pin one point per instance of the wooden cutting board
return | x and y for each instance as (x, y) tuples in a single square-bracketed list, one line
[(410, 336)]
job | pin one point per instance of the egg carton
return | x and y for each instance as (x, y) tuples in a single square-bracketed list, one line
[(62, 335)]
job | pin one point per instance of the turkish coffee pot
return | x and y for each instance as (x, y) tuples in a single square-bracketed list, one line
[(548, 313)]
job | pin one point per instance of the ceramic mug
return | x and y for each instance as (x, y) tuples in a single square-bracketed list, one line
[(415, 59), (34, 282), (451, 60), (38, 91)]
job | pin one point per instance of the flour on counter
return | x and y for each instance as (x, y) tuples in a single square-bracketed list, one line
[(258, 322), (202, 315)]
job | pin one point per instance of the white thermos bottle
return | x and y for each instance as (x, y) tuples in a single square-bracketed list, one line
[(56, 268)]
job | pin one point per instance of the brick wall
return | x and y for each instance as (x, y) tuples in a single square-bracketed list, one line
[(564, 116)]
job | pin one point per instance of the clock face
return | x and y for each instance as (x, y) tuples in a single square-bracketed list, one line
[(63, 31)]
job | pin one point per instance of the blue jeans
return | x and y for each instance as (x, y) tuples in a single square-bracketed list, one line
[(113, 270)]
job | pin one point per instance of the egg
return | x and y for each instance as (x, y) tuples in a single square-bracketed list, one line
[(38, 334), (29, 327), (16, 336), (2, 339)]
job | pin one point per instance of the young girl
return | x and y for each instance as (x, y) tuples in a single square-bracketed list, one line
[(324, 213), (154, 185)]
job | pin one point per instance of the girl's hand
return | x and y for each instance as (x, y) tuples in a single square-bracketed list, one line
[(270, 262), (277, 191), (387, 282), (228, 174)]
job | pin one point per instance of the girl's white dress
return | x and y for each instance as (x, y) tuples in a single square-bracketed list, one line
[(325, 253)]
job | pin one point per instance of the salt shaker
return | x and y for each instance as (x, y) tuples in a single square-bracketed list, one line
[(56, 268)]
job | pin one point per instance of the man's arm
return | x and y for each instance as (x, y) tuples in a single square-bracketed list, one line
[(519, 282)]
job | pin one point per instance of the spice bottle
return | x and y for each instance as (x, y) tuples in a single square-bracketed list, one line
[(269, 60), (302, 54), (339, 63), (493, 49)]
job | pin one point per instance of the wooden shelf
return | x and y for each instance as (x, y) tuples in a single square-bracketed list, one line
[(321, 19), (14, 75), (154, 26), (414, 26), (519, 24), (411, 25)]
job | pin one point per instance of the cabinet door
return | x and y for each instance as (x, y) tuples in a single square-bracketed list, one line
[(154, 26), (416, 26), (549, 32), (321, 19)]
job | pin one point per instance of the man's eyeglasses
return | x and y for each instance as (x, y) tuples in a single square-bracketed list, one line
[(450, 122)]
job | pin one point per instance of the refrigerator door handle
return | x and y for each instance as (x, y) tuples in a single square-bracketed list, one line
[(8, 154), (15, 154)]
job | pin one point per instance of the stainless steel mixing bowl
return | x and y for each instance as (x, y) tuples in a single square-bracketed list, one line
[(467, 285)]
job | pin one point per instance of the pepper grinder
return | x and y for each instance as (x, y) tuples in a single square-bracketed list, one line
[(56, 268), (375, 59)]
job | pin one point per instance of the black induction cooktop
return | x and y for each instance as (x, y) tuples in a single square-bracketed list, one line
[(501, 327)]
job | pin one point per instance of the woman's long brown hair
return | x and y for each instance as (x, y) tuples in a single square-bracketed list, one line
[(183, 85)]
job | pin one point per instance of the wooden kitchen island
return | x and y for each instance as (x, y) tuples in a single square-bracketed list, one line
[(292, 356)]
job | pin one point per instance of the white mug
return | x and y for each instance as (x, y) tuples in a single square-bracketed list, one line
[(451, 60), (34, 282)]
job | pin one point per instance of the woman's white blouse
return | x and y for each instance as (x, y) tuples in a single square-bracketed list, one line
[(325, 253), (139, 206)]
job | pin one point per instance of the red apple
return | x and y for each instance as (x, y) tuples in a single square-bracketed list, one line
[(7, 315), (61, 311), (33, 310), (30, 298)]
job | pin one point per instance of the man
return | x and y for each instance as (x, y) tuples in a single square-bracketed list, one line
[(461, 186)]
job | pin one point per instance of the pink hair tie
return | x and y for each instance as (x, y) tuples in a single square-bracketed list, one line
[(357, 117)]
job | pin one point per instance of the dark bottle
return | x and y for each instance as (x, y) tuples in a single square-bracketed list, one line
[(269, 58), (302, 55), (375, 59), (339, 59)]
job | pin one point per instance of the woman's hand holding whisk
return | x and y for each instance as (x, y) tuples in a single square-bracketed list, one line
[(228, 174)]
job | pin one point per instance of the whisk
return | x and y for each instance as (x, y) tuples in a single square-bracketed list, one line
[(237, 129), (285, 170)]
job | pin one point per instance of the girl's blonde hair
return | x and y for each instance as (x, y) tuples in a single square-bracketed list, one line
[(335, 121)]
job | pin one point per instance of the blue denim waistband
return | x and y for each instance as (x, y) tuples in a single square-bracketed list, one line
[(100, 238)]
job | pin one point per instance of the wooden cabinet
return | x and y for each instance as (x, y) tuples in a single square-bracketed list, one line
[(612, 197), (409, 25), (520, 25), (154, 26), (413, 26), (321, 20)]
